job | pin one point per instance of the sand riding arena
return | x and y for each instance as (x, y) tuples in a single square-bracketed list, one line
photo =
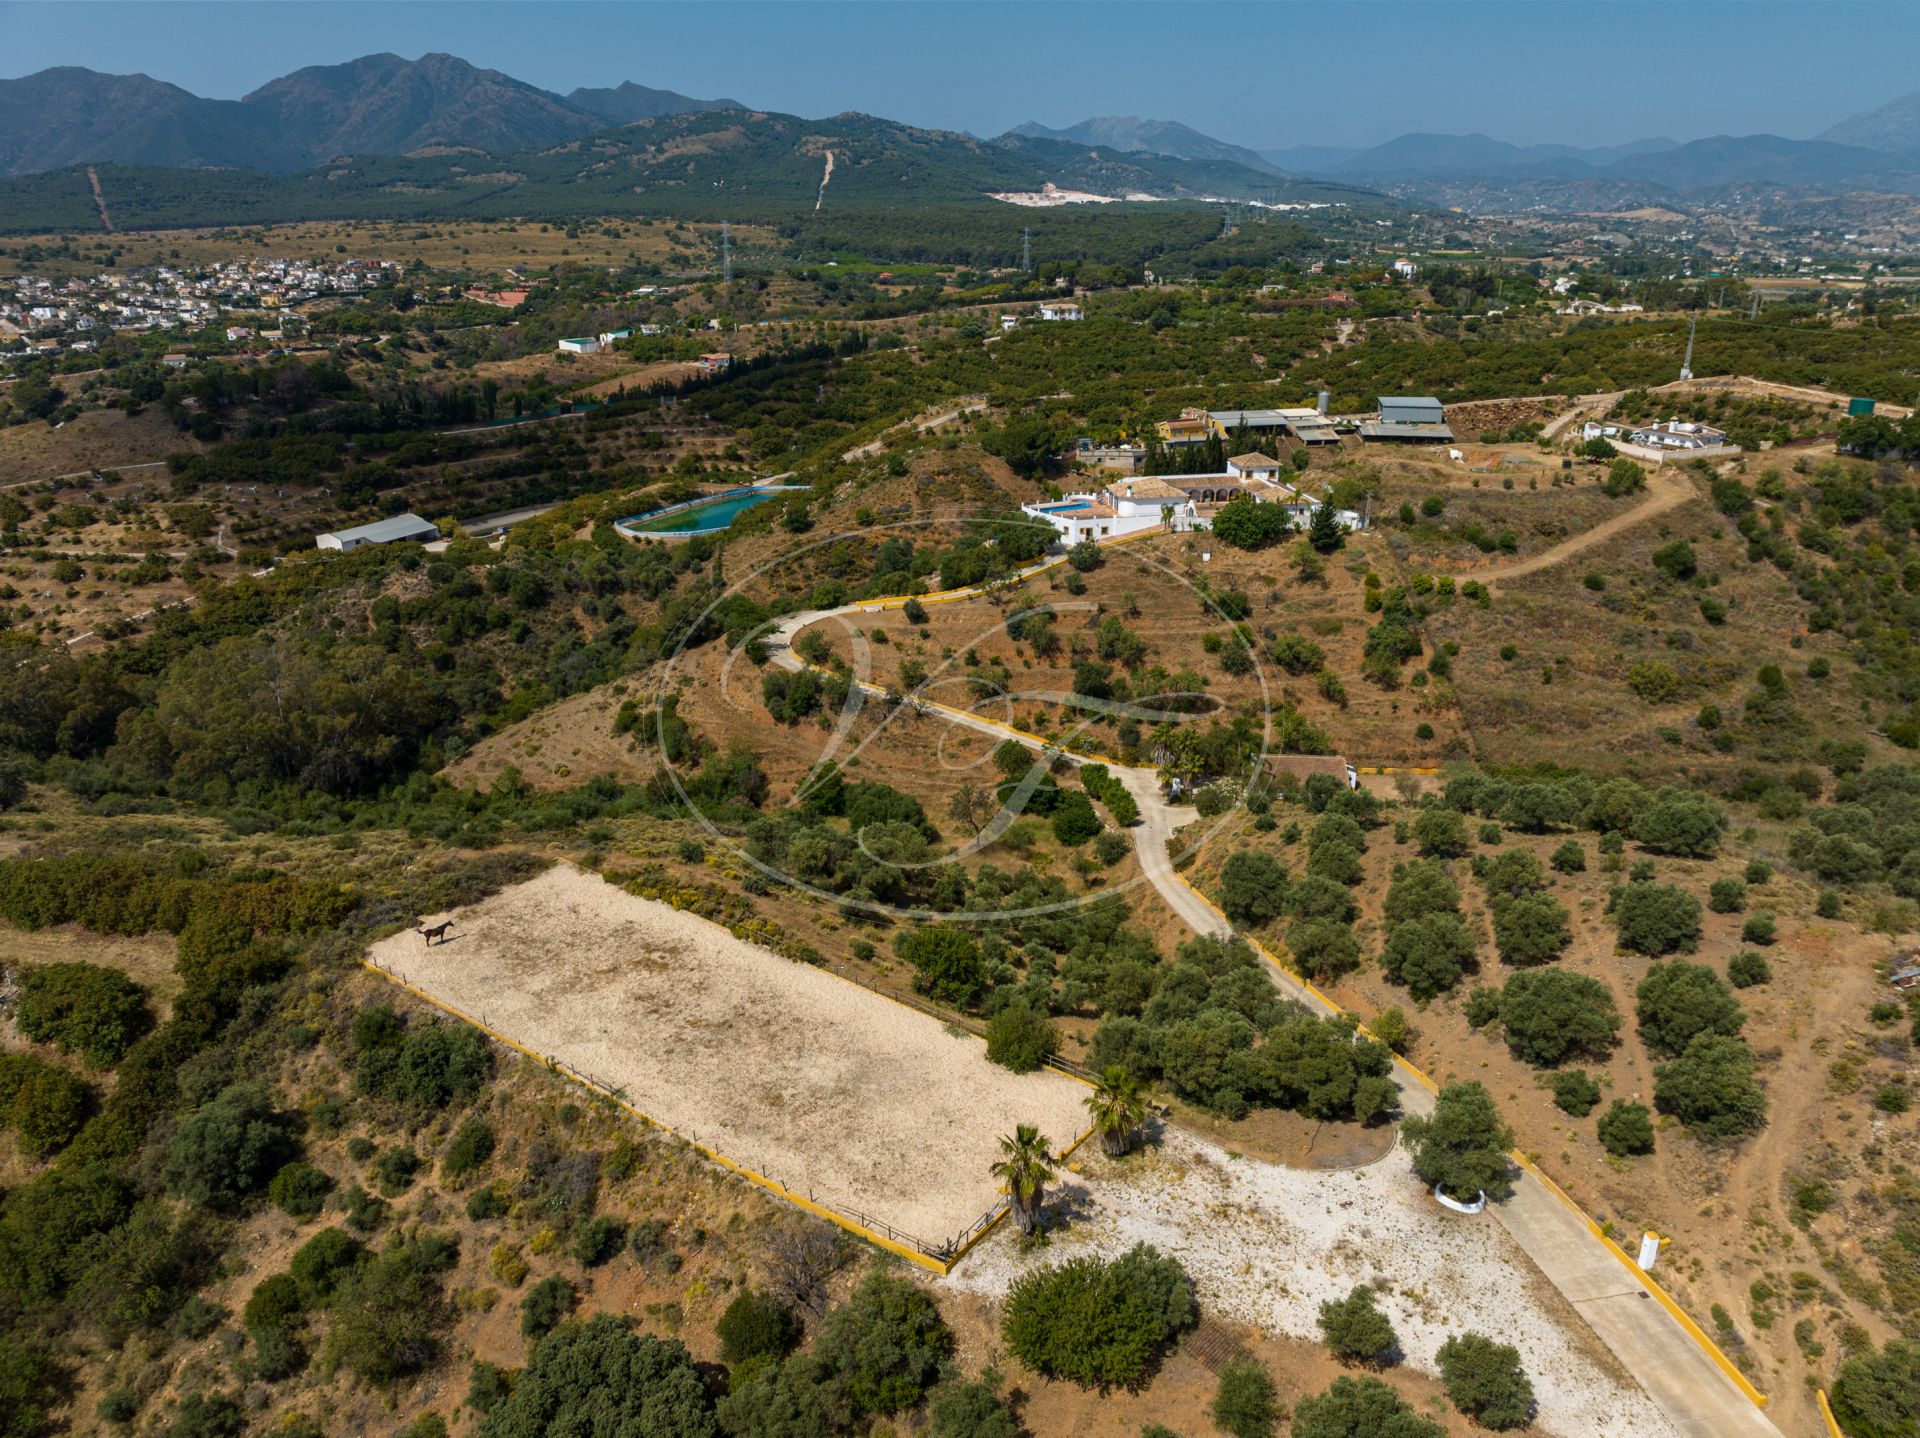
[(842, 1099)]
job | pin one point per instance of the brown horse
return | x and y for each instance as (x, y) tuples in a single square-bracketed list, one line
[(438, 931)]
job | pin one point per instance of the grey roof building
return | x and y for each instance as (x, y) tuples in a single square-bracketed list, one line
[(381, 531), (1409, 417)]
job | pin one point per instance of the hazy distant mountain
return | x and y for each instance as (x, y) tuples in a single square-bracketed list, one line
[(1310, 159), (1132, 135), (376, 105), (384, 105), (627, 102), (1410, 156), (1892, 126), (70, 115), (1769, 159)]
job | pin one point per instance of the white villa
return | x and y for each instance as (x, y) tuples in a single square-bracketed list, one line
[(1180, 502)]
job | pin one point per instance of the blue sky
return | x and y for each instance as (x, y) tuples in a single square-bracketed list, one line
[(1264, 75)]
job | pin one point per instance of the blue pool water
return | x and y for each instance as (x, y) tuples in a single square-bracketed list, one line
[(712, 515)]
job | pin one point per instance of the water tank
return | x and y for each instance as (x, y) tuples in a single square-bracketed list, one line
[(1324, 402)]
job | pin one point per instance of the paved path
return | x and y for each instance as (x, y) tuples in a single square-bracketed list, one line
[(1652, 1343)]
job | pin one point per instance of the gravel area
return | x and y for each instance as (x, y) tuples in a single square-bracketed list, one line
[(831, 1089), (1267, 1245)]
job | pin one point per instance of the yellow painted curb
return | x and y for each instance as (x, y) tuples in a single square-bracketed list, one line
[(1826, 1412)]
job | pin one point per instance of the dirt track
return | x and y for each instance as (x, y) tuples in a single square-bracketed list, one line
[(1667, 489)]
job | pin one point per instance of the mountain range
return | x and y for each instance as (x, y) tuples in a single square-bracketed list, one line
[(378, 104), (318, 118), (1130, 133), (1877, 150)]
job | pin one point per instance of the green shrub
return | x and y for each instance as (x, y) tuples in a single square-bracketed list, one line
[(599, 1377), (1020, 1039), (1482, 1007), (1758, 929), (1551, 1016), (395, 1170), (598, 1239), (43, 1104), (1574, 1092), (1428, 954), (1877, 1395), (1356, 1331), (1678, 822), (227, 1148), (1727, 896), (1098, 1323), (487, 1202), (546, 1303), (207, 1415), (1323, 948), (1462, 1147), (885, 1346), (487, 1387), (1531, 929), (1360, 1408), (1485, 1381), (756, 1326), (299, 1190), (1440, 833), (1677, 1000), (1569, 858), (1710, 1087), (970, 1410), (1246, 1404), (1657, 919), (425, 1065), (946, 962), (1253, 887), (81, 1008), (1626, 1128), (390, 1311), (320, 1263), (472, 1146), (1747, 969)]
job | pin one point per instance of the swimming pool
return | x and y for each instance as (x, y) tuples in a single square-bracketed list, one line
[(711, 515)]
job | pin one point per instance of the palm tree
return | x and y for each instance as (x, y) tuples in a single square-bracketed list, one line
[(1117, 1108), (1025, 1169)]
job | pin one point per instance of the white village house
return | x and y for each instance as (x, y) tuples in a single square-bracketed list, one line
[(1678, 434), (1061, 310)]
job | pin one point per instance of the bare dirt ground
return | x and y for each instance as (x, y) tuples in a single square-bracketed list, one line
[(98, 439), (1268, 1245), (147, 959), (828, 1088)]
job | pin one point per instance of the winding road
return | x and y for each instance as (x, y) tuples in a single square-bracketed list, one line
[(1655, 1340)]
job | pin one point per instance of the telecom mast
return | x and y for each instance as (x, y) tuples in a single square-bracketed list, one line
[(1026, 249), (726, 252), (1686, 365)]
